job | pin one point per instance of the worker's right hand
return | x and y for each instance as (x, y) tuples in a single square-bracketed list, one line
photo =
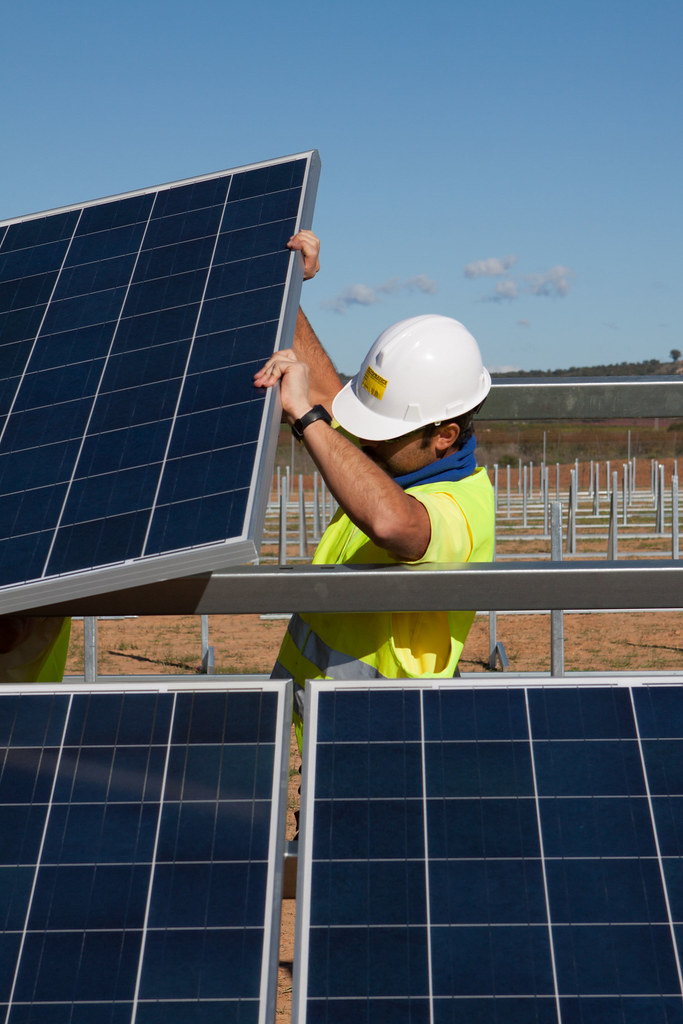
[(308, 245), (293, 376)]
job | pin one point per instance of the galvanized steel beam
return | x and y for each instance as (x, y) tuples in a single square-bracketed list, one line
[(583, 398), (502, 587)]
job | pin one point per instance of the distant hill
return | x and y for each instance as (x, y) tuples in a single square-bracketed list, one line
[(648, 368)]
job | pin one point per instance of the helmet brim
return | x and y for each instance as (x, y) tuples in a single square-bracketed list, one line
[(355, 417)]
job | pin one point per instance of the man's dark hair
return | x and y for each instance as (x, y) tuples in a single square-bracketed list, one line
[(465, 422)]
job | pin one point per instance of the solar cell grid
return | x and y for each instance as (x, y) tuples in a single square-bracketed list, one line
[(140, 838), (130, 330), (491, 855)]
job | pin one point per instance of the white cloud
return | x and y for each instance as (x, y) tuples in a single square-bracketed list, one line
[(422, 283), (505, 291), (365, 295), (555, 281), (494, 266)]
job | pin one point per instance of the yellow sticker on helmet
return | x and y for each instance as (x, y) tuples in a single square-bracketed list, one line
[(374, 383)]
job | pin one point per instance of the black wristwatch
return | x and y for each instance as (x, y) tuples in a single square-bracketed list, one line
[(318, 412)]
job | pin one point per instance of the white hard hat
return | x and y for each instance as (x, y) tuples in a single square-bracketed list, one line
[(419, 371)]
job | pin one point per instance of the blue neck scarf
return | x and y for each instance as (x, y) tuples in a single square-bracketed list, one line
[(452, 467)]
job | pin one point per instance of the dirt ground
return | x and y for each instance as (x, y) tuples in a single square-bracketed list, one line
[(629, 642)]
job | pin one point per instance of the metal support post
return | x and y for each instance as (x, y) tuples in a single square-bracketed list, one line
[(497, 651), (660, 500), (208, 659), (674, 518), (596, 489), (612, 537), (543, 482), (524, 495), (571, 515), (316, 507), (303, 541), (282, 546), (556, 614), (89, 649)]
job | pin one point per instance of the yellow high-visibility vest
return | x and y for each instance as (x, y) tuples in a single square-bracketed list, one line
[(392, 645), (40, 657)]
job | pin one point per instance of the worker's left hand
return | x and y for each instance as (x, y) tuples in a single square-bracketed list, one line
[(308, 245), (293, 376)]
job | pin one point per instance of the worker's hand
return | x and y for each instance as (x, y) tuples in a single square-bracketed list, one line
[(293, 376), (309, 246)]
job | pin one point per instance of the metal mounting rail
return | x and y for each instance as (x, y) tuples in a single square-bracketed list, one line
[(502, 587), (542, 398)]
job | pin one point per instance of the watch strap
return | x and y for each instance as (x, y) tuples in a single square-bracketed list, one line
[(318, 412)]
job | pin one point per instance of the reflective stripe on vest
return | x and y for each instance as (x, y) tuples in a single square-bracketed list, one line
[(330, 663)]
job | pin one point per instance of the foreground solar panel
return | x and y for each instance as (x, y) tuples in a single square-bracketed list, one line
[(491, 855), (131, 436), (141, 835)]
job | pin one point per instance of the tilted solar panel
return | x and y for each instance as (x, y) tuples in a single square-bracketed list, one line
[(491, 855), (141, 844), (133, 445)]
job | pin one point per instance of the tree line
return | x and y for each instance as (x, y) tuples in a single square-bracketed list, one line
[(645, 368)]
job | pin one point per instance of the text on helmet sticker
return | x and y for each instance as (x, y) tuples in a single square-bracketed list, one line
[(374, 383)]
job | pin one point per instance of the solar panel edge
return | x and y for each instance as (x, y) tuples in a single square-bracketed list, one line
[(588, 983), (263, 727), (304, 855), (54, 596), (310, 155), (270, 425), (246, 509), (269, 977)]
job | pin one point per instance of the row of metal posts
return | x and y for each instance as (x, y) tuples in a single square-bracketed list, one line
[(525, 489), (90, 648), (324, 507)]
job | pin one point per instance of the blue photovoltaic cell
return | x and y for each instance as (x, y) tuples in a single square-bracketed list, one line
[(130, 330), (137, 832), (489, 855)]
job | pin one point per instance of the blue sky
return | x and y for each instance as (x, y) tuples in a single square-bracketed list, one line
[(516, 165)]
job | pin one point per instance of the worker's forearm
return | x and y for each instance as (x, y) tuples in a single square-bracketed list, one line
[(373, 501), (324, 379)]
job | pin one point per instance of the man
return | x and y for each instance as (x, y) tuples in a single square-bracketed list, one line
[(410, 493)]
